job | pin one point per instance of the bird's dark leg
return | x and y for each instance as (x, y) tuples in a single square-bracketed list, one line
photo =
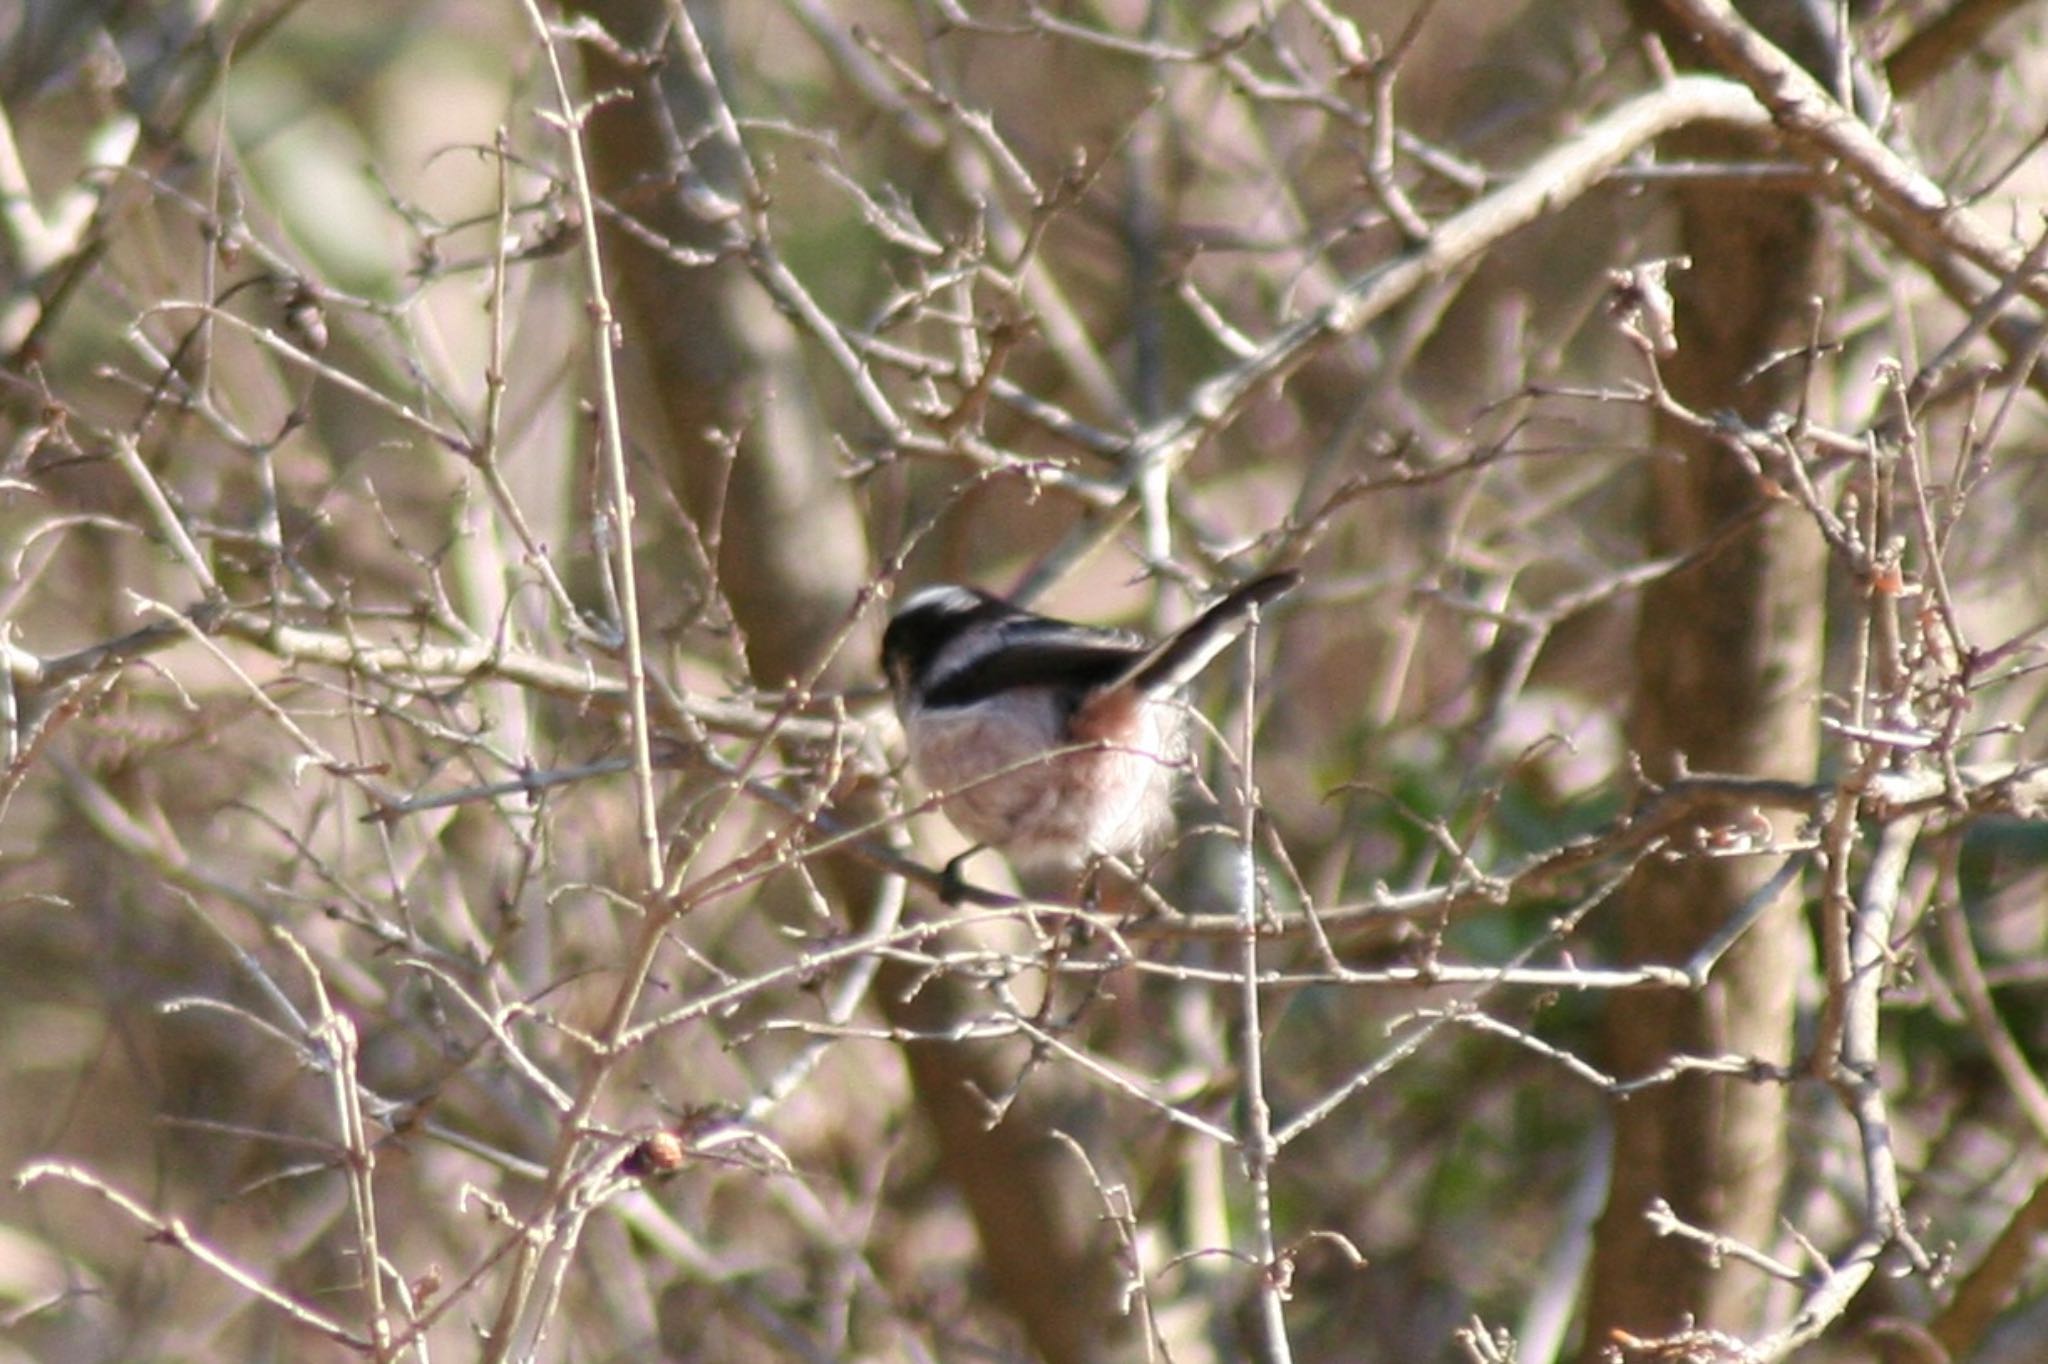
[(1091, 884), (953, 885)]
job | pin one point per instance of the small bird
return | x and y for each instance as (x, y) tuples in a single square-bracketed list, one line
[(1055, 742)]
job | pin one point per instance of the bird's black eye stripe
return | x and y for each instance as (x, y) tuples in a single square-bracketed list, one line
[(931, 622)]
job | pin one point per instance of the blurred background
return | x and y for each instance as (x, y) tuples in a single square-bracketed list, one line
[(1643, 803)]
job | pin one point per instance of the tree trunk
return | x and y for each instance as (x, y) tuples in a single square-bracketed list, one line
[(792, 556), (1727, 677)]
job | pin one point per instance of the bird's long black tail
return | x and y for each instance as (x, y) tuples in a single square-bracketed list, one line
[(1176, 660)]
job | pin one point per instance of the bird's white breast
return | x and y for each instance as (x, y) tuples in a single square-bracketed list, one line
[(1012, 778)]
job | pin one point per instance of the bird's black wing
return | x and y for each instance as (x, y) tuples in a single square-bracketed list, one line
[(1035, 651)]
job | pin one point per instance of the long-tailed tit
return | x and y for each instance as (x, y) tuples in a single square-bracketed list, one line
[(1055, 742)]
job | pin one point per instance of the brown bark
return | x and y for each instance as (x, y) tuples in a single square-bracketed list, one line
[(720, 361), (1727, 658), (792, 556)]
